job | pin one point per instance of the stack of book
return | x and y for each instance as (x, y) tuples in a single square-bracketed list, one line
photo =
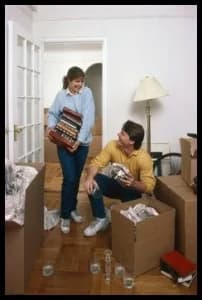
[(178, 268)]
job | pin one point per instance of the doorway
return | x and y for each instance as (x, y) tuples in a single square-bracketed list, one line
[(94, 81), (59, 56)]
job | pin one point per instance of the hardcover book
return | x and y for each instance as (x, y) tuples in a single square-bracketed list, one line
[(67, 129), (186, 281), (177, 264)]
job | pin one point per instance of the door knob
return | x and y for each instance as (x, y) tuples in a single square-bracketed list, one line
[(17, 130)]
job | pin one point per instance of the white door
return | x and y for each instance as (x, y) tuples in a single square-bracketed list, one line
[(25, 110)]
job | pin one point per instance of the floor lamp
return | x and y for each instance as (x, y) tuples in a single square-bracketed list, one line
[(149, 88)]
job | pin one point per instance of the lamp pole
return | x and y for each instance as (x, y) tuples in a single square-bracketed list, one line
[(148, 126)]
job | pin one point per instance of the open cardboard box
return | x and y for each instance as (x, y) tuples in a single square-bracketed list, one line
[(173, 191), (22, 243), (138, 248)]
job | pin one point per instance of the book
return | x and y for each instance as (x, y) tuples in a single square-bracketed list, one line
[(189, 282), (169, 270), (177, 264), (166, 274), (183, 279), (186, 281)]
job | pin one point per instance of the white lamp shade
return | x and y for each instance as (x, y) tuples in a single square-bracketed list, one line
[(149, 88)]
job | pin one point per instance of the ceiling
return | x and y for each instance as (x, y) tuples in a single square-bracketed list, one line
[(75, 12)]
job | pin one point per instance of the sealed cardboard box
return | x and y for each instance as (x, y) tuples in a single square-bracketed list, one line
[(22, 243), (139, 247), (189, 159), (173, 191)]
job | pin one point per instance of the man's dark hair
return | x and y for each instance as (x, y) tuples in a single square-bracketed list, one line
[(73, 73), (135, 132)]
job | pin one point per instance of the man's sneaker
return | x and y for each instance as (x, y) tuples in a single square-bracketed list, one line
[(95, 226), (76, 217), (65, 225)]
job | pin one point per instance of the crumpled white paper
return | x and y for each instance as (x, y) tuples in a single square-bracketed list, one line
[(17, 179), (116, 171), (51, 218), (139, 212)]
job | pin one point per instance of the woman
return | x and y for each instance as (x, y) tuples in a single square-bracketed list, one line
[(78, 98)]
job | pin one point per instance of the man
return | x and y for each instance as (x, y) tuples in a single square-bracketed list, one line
[(128, 152)]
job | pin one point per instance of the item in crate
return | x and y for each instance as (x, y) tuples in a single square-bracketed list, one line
[(67, 129), (139, 212)]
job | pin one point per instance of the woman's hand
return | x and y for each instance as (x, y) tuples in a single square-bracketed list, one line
[(51, 139), (74, 147)]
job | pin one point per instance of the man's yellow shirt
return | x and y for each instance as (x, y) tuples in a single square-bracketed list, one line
[(139, 163)]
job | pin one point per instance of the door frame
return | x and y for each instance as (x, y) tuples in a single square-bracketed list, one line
[(103, 42)]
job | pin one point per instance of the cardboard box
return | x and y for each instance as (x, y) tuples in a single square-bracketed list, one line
[(51, 155), (175, 192), (95, 146), (50, 151), (22, 243), (189, 159), (97, 128), (139, 247)]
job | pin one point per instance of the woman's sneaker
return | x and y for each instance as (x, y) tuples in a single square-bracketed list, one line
[(65, 225), (95, 226), (76, 216)]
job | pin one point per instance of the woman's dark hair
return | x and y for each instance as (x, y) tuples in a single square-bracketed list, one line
[(135, 132), (73, 73)]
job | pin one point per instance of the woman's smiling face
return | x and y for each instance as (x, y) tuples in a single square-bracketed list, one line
[(76, 84)]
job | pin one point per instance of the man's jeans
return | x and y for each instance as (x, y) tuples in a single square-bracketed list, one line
[(72, 165), (111, 188)]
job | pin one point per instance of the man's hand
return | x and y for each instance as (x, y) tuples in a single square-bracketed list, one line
[(90, 185), (128, 180)]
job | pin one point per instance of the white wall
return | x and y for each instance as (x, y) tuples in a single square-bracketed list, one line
[(57, 60), (161, 43)]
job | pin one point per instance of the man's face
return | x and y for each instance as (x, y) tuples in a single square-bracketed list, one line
[(123, 138)]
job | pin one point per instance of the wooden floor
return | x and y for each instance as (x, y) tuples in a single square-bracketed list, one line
[(70, 255)]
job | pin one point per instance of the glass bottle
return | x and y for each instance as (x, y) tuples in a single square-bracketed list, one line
[(108, 254)]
